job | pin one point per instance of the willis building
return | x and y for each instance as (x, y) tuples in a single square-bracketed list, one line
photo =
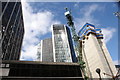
[(12, 30)]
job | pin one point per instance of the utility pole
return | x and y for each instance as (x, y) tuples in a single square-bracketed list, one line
[(76, 42)]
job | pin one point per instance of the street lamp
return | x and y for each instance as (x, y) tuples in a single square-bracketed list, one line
[(98, 71)]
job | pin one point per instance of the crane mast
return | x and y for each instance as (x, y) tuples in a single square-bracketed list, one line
[(76, 42)]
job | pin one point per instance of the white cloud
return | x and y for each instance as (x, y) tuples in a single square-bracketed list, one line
[(116, 62), (108, 33), (88, 17), (35, 24), (76, 5), (30, 53)]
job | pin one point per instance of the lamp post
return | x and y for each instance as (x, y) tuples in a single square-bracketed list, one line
[(98, 71)]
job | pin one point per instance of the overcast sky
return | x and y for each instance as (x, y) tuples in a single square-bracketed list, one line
[(39, 16)]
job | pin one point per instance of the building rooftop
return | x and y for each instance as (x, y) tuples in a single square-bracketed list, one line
[(39, 62)]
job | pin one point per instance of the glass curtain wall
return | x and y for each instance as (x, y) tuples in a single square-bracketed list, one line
[(62, 49)]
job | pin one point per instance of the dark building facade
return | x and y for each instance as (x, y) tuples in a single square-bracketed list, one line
[(118, 70), (36, 70), (12, 31)]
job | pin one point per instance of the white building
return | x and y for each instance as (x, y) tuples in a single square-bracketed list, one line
[(45, 50), (95, 53)]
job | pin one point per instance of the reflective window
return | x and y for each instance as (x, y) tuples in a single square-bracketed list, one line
[(62, 51)]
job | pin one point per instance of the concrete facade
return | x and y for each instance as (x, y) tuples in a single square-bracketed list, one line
[(45, 50), (96, 56), (95, 53)]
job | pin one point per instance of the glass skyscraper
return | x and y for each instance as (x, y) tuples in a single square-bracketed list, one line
[(12, 30), (59, 48), (62, 45)]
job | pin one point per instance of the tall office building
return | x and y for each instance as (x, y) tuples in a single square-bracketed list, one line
[(62, 44), (95, 53), (45, 50), (59, 48), (12, 31)]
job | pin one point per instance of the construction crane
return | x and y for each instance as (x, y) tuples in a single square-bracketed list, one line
[(117, 14), (76, 42)]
